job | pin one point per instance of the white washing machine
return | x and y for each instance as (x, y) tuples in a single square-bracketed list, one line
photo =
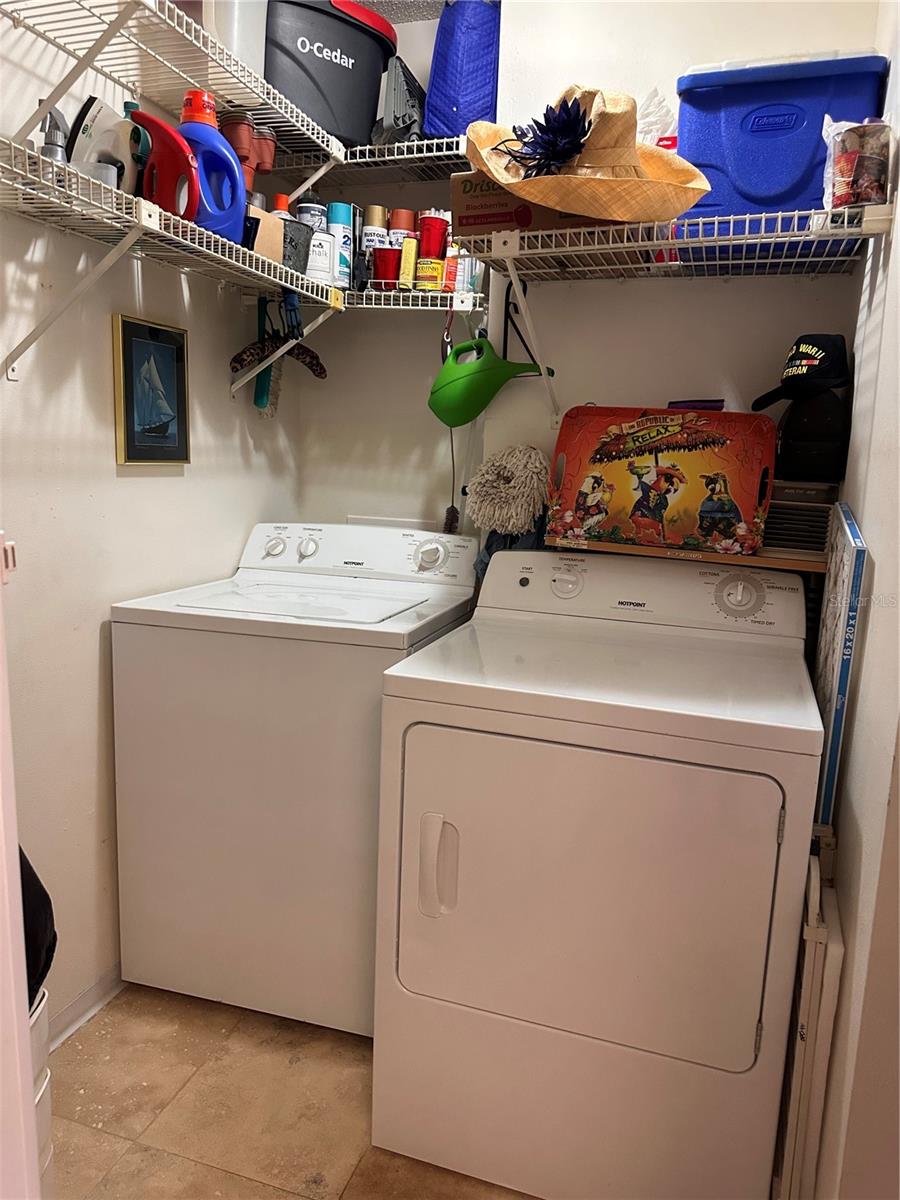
[(596, 808), (247, 716)]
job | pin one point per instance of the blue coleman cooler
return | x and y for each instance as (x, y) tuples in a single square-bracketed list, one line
[(328, 56), (755, 130)]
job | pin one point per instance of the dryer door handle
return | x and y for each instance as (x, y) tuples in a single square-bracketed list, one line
[(438, 865)]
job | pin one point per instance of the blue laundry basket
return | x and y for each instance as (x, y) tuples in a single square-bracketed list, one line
[(463, 84)]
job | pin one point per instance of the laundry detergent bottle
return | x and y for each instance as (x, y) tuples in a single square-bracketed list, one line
[(223, 192)]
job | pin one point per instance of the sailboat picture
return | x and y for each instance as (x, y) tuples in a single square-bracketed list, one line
[(151, 392), (154, 415)]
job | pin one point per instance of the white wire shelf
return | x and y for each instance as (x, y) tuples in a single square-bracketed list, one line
[(57, 195), (413, 301), (159, 53), (794, 243), (404, 162)]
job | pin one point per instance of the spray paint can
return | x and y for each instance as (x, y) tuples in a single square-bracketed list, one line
[(402, 224), (375, 228), (340, 226), (310, 210)]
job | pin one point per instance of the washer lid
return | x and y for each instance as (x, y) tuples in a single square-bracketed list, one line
[(714, 686), (367, 612), (326, 600)]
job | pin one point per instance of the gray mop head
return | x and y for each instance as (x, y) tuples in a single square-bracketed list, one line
[(509, 490)]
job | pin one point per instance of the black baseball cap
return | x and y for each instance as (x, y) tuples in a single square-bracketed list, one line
[(815, 363)]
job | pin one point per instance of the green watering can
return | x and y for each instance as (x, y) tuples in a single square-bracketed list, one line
[(463, 390)]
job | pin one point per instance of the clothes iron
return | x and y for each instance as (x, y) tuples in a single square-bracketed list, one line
[(101, 135)]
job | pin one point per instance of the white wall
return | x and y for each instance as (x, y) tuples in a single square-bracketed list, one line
[(871, 489), (634, 46), (90, 533)]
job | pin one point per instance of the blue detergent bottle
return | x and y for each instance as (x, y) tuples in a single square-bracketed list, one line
[(223, 193)]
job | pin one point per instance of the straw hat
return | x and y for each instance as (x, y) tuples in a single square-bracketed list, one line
[(584, 158)]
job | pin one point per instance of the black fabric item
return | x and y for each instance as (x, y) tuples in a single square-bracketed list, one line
[(814, 439), (815, 363), (533, 540), (40, 930)]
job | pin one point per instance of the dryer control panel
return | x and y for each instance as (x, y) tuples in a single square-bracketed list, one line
[(646, 591), (380, 552)]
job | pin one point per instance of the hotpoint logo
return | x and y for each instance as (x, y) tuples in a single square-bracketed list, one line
[(631, 603), (351, 562), (773, 122)]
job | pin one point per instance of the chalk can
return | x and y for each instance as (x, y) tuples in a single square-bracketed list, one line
[(429, 274), (321, 257)]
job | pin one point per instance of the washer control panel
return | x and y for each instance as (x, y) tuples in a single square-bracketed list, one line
[(646, 591), (381, 552)]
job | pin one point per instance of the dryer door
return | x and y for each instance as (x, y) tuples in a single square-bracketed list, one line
[(618, 897)]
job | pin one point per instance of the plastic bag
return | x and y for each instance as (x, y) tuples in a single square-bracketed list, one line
[(857, 162), (655, 120)]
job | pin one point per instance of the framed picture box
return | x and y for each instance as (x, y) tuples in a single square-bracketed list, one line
[(151, 392)]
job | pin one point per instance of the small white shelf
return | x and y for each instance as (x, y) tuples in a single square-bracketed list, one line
[(425, 161), (414, 301), (793, 243), (159, 53)]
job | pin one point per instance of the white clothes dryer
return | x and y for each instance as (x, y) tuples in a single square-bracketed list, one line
[(596, 809), (247, 715)]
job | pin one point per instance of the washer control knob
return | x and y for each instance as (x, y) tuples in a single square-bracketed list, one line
[(274, 546), (430, 555), (565, 585), (306, 548)]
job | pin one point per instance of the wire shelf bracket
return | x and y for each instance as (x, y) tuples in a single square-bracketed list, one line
[(257, 368), (108, 260), (505, 248)]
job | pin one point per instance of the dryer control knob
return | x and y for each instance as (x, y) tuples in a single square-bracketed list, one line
[(566, 584), (430, 555), (306, 548), (274, 546)]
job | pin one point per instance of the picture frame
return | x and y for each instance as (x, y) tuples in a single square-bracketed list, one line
[(150, 380)]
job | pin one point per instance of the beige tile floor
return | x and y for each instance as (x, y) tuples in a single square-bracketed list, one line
[(164, 1097)]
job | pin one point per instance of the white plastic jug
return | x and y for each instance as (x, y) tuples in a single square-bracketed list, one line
[(240, 25)]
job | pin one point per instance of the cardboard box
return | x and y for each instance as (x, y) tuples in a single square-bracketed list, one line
[(479, 205), (264, 233)]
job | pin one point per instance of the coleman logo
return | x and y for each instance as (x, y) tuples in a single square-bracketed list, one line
[(773, 122), (631, 603), (320, 50)]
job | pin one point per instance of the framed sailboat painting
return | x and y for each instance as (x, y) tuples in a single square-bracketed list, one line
[(150, 377)]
